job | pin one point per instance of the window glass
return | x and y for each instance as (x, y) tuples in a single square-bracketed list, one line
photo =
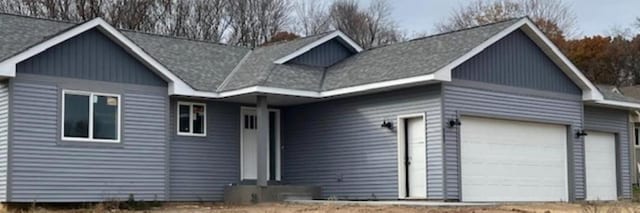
[(183, 118), (76, 115), (105, 117), (198, 119)]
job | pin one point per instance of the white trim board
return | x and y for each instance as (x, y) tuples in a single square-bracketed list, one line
[(176, 85)]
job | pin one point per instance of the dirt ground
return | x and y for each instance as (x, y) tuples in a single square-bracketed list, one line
[(616, 207)]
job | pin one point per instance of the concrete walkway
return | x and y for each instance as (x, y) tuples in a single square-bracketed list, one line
[(391, 203)]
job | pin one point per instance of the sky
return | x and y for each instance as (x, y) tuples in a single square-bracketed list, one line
[(592, 16)]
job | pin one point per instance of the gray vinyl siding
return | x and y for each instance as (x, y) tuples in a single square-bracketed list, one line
[(324, 55), (4, 135), (516, 61), (473, 98), (45, 169), (92, 56), (614, 121), (200, 167), (340, 146)]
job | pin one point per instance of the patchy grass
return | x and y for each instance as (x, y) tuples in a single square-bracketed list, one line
[(590, 207), (636, 193)]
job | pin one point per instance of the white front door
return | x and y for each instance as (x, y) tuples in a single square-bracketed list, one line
[(417, 160), (507, 160), (249, 144), (600, 160)]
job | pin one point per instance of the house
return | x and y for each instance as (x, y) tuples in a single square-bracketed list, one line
[(490, 113)]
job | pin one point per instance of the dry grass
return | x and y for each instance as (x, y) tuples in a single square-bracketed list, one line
[(617, 207)]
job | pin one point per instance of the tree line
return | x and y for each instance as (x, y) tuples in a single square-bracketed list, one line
[(606, 59), (248, 23)]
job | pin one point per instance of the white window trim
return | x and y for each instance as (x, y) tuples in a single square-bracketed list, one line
[(190, 133), (90, 138), (635, 137)]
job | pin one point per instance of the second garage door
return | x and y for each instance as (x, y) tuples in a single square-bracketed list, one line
[(505, 160)]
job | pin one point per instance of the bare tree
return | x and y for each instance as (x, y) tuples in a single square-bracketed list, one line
[(553, 16), (369, 27), (311, 17), (196, 19), (254, 22)]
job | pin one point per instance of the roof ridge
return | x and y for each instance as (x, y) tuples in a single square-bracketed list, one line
[(182, 38), (449, 32), (122, 30), (297, 39), (41, 18), (233, 71)]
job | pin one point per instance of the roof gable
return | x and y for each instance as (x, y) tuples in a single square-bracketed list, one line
[(92, 56), (516, 60), (325, 55), (348, 42)]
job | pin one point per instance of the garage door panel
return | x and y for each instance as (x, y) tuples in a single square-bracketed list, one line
[(505, 160)]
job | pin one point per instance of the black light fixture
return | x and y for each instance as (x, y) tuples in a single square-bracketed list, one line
[(581, 133), (387, 124), (454, 123)]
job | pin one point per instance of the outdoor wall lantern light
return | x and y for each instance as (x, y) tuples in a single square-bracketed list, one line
[(581, 133), (387, 124), (454, 123)]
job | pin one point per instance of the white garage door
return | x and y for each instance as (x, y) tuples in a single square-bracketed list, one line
[(600, 160), (505, 160)]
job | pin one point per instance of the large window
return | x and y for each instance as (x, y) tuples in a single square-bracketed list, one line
[(192, 119), (88, 116)]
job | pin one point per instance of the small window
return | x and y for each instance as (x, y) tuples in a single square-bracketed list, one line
[(191, 119), (88, 116)]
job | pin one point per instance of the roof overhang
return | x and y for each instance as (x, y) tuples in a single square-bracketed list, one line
[(179, 87), (337, 34), (176, 85), (589, 90)]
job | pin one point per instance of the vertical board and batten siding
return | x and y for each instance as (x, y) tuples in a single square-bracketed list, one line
[(496, 102), (325, 55), (516, 61), (200, 167), (93, 51), (340, 145), (614, 121), (43, 168), (4, 138)]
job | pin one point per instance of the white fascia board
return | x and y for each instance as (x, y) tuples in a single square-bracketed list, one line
[(318, 42), (314, 94), (589, 91), (622, 104), (177, 86), (380, 85)]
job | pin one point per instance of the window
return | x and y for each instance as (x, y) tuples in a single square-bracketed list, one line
[(191, 119), (89, 116)]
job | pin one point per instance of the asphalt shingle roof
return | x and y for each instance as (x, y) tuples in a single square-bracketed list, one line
[(18, 33), (202, 65), (413, 58), (214, 67), (610, 92)]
